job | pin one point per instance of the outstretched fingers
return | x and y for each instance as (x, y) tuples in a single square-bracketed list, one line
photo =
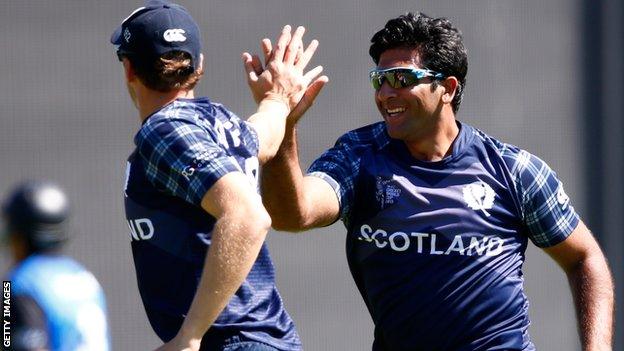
[(252, 76), (314, 89), (257, 65), (313, 73), (293, 47), (282, 44), (306, 56), (267, 49), (307, 100), (283, 73)]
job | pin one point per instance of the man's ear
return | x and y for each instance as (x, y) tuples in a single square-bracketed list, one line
[(129, 70), (450, 84), (201, 63)]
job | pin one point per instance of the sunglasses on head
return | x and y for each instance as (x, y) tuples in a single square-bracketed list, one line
[(400, 77)]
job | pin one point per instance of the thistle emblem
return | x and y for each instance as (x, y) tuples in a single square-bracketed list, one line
[(479, 196)]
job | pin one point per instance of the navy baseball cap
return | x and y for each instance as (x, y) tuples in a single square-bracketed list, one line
[(157, 28)]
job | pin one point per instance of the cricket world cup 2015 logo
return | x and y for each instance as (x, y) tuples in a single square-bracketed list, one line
[(386, 192)]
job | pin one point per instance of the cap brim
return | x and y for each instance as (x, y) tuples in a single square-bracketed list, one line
[(116, 36)]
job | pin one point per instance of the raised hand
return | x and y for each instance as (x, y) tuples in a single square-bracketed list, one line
[(283, 79)]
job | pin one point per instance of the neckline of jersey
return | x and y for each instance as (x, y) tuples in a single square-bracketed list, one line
[(164, 107), (462, 140)]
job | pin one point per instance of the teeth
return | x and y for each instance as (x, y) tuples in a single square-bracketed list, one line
[(395, 110)]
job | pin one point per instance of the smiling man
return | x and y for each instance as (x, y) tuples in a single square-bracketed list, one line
[(438, 213)]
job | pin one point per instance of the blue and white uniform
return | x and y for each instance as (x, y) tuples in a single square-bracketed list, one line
[(58, 306), (181, 151), (436, 248)]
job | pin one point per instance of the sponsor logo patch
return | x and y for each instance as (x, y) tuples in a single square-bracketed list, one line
[(176, 34), (199, 162)]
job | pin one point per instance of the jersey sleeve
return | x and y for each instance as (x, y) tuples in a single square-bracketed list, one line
[(182, 158), (339, 167), (547, 213), (248, 131), (29, 326)]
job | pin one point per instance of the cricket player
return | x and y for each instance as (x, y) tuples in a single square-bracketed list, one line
[(55, 303), (197, 223), (438, 214)]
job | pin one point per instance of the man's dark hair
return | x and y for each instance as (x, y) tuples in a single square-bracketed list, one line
[(171, 71), (438, 43)]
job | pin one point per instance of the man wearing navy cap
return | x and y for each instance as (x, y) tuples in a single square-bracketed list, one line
[(197, 223)]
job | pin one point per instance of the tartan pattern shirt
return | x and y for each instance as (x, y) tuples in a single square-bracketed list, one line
[(436, 248), (181, 151), (540, 192), (188, 147)]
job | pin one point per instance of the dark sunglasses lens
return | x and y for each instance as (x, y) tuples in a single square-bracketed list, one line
[(390, 77), (396, 79), (376, 80), (402, 79)]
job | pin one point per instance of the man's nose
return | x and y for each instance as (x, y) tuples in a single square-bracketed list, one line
[(386, 91)]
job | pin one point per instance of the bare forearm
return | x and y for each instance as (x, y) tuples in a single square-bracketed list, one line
[(282, 184), (234, 248), (269, 123), (592, 288), (294, 201)]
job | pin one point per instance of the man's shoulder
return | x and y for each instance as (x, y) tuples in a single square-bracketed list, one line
[(48, 262), (36, 269), (372, 135), (201, 113), (171, 118), (179, 110), (517, 160), (508, 152)]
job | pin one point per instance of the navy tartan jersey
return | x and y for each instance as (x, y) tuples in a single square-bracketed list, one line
[(181, 151), (436, 248)]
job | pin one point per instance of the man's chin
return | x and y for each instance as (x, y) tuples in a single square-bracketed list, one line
[(394, 132)]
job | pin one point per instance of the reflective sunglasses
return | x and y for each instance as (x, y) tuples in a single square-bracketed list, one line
[(400, 77)]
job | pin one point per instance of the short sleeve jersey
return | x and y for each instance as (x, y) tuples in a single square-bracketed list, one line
[(181, 151), (69, 300), (436, 248)]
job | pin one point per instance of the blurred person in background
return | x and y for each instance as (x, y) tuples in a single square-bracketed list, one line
[(197, 223), (438, 213), (55, 303)]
